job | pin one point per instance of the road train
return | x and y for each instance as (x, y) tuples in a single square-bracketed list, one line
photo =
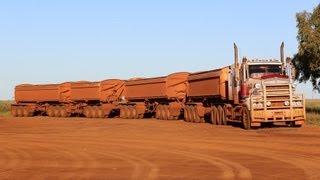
[(251, 92)]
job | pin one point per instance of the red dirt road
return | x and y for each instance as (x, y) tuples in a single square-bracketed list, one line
[(75, 148)]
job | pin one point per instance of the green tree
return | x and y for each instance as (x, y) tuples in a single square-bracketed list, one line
[(307, 60)]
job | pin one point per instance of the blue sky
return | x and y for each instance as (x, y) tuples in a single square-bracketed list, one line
[(69, 40)]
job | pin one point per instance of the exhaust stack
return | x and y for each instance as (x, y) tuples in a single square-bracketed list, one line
[(235, 91), (236, 55), (282, 53)]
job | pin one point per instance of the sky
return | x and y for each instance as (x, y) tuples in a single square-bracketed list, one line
[(71, 40)]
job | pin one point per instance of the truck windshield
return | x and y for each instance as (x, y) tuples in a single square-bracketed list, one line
[(256, 71)]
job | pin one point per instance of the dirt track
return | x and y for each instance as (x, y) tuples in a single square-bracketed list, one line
[(47, 148)]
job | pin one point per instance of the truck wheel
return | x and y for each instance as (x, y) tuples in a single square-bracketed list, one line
[(225, 117), (220, 115), (246, 120)]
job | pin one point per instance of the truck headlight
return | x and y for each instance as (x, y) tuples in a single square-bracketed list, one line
[(294, 85), (286, 103), (257, 86), (268, 104)]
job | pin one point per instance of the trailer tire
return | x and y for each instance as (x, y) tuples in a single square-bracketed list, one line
[(86, 112), (63, 112), (57, 112), (100, 113), (19, 112), (166, 112), (158, 112), (14, 111), (50, 112), (133, 113), (25, 112), (127, 112), (187, 114), (222, 116), (214, 113), (122, 112), (195, 115)]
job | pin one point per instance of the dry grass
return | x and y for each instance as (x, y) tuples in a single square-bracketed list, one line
[(5, 107), (313, 111)]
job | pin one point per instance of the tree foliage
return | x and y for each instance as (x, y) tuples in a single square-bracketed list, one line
[(307, 60)]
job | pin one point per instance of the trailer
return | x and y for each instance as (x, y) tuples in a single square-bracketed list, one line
[(162, 97)]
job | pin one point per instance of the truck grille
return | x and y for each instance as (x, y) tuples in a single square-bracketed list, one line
[(277, 95)]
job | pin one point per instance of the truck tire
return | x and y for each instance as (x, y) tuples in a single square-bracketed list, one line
[(246, 120)]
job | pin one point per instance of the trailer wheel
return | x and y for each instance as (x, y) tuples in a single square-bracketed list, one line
[(100, 113), (158, 112), (25, 112), (214, 115), (161, 115), (133, 112), (222, 115), (86, 112), (57, 112), (63, 112), (50, 112), (14, 111), (187, 114), (122, 112), (195, 115), (126, 112), (246, 120), (19, 112), (166, 112)]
